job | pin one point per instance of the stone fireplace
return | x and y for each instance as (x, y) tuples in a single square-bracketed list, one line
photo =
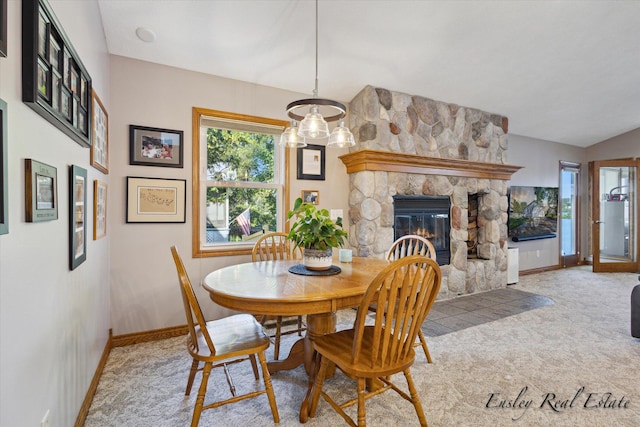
[(411, 146)]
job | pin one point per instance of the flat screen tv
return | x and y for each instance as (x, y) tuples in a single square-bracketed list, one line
[(533, 213)]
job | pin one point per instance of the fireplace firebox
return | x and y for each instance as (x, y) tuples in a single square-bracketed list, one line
[(426, 216)]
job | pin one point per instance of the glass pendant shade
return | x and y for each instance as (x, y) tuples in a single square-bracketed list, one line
[(341, 137), (290, 137), (313, 126)]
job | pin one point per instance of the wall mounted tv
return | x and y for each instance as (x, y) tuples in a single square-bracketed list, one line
[(533, 213)]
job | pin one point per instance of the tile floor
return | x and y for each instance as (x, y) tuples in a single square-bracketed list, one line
[(471, 310)]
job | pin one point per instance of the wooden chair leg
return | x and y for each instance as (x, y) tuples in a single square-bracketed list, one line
[(276, 347), (423, 342), (232, 386), (362, 412), (299, 326), (254, 365), (197, 410), (317, 387), (192, 376), (269, 387), (415, 398)]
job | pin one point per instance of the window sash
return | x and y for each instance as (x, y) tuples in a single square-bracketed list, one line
[(203, 119)]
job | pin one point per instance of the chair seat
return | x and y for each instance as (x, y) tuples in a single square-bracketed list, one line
[(232, 336), (409, 286), (218, 343), (337, 347)]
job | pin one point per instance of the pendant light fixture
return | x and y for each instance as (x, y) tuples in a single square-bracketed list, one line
[(313, 125)]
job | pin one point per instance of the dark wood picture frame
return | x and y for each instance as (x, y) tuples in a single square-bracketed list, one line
[(99, 135), (4, 173), (77, 216), (41, 191), (55, 82), (311, 162), (156, 200), (3, 27), (155, 146), (99, 209)]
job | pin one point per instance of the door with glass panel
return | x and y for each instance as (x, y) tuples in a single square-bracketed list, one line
[(569, 214), (614, 215)]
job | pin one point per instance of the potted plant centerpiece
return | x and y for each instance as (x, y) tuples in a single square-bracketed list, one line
[(315, 232)]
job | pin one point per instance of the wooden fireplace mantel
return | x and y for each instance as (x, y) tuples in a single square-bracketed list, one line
[(377, 160)]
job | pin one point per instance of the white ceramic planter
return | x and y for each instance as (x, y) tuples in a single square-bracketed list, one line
[(317, 259)]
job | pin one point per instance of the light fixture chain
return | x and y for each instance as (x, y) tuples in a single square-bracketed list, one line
[(315, 91), (313, 125)]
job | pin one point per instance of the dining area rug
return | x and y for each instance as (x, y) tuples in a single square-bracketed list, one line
[(569, 361)]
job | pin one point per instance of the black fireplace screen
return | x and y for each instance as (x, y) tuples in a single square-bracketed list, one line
[(425, 216)]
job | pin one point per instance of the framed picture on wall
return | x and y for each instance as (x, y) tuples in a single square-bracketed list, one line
[(156, 200), (3, 27), (99, 209), (77, 216), (311, 196), (311, 162), (4, 186), (41, 191), (155, 147), (55, 82), (99, 135)]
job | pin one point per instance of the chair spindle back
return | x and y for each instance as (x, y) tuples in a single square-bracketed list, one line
[(274, 246), (193, 312), (407, 289), (411, 244)]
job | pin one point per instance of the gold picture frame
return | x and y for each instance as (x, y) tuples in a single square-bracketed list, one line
[(311, 196), (99, 135)]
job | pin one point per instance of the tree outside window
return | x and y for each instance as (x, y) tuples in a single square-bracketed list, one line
[(240, 191)]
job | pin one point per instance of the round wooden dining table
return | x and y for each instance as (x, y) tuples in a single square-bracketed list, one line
[(269, 288)]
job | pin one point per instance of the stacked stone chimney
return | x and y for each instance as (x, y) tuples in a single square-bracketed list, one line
[(395, 122)]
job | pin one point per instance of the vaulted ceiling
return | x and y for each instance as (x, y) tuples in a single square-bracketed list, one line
[(563, 71)]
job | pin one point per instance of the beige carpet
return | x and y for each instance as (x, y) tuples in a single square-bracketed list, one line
[(580, 345)]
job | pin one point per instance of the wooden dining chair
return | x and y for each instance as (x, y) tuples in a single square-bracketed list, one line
[(220, 342), (270, 247), (414, 245), (407, 288)]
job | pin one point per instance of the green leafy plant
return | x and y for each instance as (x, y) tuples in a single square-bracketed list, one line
[(314, 228)]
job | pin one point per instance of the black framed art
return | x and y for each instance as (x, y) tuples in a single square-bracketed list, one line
[(41, 191), (77, 216), (4, 185), (55, 83), (155, 147), (311, 162), (3, 27), (156, 200)]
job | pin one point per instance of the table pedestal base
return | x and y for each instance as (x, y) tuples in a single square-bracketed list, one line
[(302, 350)]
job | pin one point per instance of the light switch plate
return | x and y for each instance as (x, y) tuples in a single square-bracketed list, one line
[(335, 214)]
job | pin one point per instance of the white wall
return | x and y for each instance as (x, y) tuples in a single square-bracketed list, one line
[(541, 168), (53, 322), (144, 288), (618, 147), (541, 164)]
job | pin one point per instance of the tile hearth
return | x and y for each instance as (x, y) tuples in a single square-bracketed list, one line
[(472, 310)]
